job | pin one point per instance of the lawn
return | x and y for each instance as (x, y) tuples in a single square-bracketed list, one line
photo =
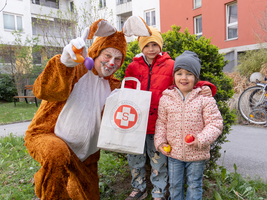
[(22, 112), (17, 169)]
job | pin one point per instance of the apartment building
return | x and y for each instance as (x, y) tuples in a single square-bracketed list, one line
[(20, 14), (122, 9), (23, 15), (232, 25)]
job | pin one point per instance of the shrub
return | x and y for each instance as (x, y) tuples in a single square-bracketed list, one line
[(252, 61), (7, 87), (175, 43)]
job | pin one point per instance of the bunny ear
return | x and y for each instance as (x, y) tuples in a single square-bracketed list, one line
[(136, 26), (101, 28)]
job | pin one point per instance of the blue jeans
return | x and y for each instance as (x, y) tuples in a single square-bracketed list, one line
[(159, 174), (194, 175)]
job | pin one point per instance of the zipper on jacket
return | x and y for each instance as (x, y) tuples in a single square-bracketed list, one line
[(149, 77), (183, 136), (150, 72)]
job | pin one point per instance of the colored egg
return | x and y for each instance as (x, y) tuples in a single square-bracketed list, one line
[(89, 63), (167, 149), (75, 50), (80, 58)]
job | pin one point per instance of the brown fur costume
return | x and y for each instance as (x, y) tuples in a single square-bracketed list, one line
[(62, 175)]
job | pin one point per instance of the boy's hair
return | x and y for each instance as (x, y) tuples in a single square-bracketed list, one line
[(189, 61), (155, 37), (177, 69)]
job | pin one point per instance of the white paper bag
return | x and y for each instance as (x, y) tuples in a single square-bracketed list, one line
[(124, 123)]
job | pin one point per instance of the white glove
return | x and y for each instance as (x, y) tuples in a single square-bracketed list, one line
[(68, 54)]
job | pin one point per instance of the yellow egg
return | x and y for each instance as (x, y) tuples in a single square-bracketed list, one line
[(167, 149), (80, 58)]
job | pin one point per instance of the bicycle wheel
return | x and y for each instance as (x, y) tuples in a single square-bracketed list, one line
[(252, 105)]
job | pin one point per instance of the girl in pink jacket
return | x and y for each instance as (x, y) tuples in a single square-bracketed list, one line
[(181, 112)]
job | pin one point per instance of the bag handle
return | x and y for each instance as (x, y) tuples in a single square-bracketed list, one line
[(131, 79)]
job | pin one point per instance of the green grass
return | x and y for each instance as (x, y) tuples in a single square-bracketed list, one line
[(113, 168), (225, 185), (17, 169), (22, 112)]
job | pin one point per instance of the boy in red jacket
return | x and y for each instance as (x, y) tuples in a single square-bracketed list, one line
[(154, 69)]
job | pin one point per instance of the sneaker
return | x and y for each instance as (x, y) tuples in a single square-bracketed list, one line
[(136, 194)]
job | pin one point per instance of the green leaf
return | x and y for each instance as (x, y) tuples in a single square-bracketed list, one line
[(233, 184), (217, 196), (235, 167)]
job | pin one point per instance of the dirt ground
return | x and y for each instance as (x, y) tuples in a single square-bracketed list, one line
[(120, 187)]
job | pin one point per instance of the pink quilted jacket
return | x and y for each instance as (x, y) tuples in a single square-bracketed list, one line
[(197, 115)]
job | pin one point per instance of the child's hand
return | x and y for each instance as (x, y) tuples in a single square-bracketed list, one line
[(206, 91), (194, 143), (162, 150)]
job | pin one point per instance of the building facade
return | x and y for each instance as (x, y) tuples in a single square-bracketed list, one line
[(149, 10), (20, 14), (24, 14), (33, 18), (232, 25)]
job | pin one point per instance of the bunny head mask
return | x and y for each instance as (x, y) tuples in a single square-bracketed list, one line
[(108, 36)]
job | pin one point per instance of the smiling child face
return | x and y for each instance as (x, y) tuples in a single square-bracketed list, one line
[(184, 80)]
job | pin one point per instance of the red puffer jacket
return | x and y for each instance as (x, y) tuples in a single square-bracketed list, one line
[(155, 78)]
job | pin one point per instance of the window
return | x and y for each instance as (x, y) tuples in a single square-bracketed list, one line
[(36, 2), (120, 21), (71, 6), (56, 28), (150, 18), (47, 3), (197, 4), (51, 3), (37, 57), (7, 55), (12, 22), (119, 2), (198, 26), (102, 3), (231, 21)]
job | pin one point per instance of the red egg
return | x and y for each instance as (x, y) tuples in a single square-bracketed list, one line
[(189, 138)]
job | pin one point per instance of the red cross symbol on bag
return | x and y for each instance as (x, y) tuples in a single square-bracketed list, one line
[(125, 117)]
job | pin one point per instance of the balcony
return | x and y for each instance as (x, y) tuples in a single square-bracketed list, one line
[(124, 7), (47, 3), (119, 2)]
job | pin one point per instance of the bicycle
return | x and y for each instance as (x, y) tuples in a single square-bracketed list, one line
[(252, 104)]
